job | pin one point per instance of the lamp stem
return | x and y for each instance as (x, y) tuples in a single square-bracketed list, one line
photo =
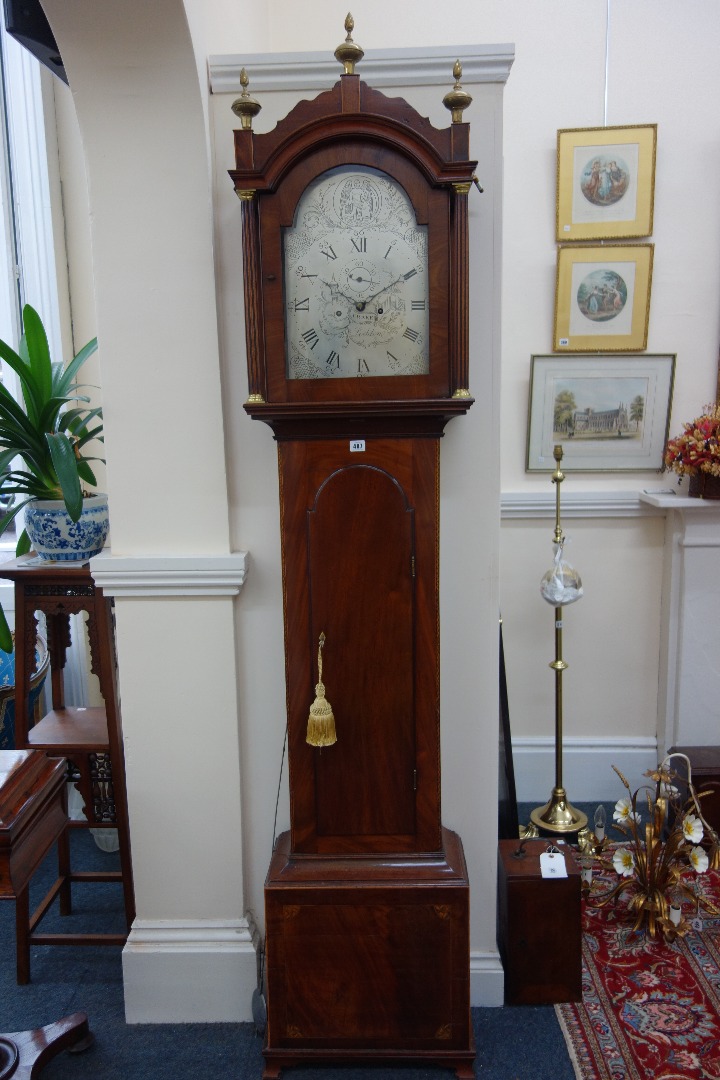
[(559, 666), (558, 815)]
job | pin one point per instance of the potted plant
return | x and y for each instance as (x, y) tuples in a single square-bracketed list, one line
[(49, 432), (696, 453)]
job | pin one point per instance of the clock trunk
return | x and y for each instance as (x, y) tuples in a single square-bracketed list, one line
[(360, 566)]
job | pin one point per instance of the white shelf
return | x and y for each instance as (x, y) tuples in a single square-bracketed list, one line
[(667, 501)]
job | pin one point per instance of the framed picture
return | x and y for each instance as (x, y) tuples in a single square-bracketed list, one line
[(609, 413), (605, 182), (602, 298)]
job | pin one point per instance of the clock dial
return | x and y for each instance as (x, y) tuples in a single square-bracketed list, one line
[(356, 281)]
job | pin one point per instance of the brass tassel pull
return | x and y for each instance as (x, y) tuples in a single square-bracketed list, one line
[(321, 722)]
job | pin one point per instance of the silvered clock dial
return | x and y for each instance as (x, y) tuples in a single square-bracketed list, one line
[(355, 280)]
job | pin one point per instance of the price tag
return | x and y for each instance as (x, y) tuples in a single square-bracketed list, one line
[(357, 446), (552, 864)]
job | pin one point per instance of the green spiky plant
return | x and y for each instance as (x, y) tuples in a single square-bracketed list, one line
[(49, 432)]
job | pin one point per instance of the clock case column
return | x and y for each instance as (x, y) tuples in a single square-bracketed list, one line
[(367, 896)]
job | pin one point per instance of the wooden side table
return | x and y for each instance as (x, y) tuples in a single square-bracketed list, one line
[(89, 738)]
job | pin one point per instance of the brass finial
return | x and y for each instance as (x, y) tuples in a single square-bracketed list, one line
[(457, 99), (348, 53), (246, 106)]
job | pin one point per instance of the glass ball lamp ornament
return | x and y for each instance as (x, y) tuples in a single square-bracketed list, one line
[(562, 584)]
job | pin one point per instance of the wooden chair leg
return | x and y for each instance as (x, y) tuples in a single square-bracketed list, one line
[(22, 935), (64, 871)]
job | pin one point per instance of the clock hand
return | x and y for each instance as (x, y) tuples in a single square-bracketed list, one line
[(384, 288), (335, 288)]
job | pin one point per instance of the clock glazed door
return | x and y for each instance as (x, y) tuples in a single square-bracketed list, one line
[(360, 553)]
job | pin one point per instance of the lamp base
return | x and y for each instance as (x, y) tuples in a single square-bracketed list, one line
[(558, 815)]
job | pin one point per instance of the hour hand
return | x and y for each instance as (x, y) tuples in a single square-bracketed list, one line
[(335, 289)]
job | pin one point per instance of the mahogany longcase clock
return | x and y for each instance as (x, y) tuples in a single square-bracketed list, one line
[(355, 251)]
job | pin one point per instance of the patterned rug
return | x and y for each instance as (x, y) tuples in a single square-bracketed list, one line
[(649, 1009)]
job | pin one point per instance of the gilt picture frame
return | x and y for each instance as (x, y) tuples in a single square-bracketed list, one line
[(605, 182), (610, 413), (602, 297)]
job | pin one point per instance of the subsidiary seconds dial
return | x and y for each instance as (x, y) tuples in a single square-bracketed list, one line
[(355, 280)]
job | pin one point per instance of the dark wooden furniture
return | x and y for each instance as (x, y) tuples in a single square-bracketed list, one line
[(32, 817), (89, 738), (705, 763), (32, 814), (354, 946), (23, 1054), (355, 255), (539, 927)]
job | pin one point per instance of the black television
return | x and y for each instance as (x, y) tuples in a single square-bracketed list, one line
[(26, 21)]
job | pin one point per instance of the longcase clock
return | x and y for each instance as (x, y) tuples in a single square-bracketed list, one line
[(355, 253)]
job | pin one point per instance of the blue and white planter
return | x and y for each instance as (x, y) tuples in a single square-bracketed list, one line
[(55, 537)]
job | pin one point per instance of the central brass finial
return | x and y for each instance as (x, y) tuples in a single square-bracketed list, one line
[(457, 99), (348, 53), (245, 106)]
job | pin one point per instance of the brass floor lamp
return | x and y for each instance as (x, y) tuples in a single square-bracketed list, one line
[(560, 586)]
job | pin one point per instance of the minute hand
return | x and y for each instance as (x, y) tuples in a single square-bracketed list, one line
[(384, 288)]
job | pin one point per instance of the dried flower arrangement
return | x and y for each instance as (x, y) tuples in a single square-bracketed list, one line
[(697, 448)]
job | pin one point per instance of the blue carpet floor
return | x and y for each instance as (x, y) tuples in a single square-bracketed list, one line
[(518, 1043)]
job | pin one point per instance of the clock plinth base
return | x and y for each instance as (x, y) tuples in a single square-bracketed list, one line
[(368, 960)]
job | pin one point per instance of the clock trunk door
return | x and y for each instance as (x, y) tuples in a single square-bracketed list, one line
[(360, 555), (351, 573)]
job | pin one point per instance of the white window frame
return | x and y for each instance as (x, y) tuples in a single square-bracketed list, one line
[(33, 261)]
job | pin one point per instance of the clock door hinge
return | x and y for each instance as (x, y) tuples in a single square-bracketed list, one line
[(414, 779), (412, 566)]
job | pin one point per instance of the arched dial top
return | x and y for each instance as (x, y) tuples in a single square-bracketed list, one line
[(356, 280)]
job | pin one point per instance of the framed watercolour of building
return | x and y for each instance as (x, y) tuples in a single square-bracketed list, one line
[(610, 413), (605, 182), (602, 297)]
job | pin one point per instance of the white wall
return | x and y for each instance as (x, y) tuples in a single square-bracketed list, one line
[(143, 119)]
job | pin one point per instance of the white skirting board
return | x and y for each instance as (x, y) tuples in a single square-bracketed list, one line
[(183, 972), (487, 980), (587, 763)]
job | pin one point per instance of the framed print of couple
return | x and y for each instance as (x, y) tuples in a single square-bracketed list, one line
[(605, 182)]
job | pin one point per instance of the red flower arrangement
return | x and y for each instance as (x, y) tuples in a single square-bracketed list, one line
[(697, 449)]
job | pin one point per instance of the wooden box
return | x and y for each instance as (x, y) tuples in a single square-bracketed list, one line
[(368, 959), (705, 762), (539, 927)]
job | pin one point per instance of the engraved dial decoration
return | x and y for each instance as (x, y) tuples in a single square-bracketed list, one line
[(356, 281)]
